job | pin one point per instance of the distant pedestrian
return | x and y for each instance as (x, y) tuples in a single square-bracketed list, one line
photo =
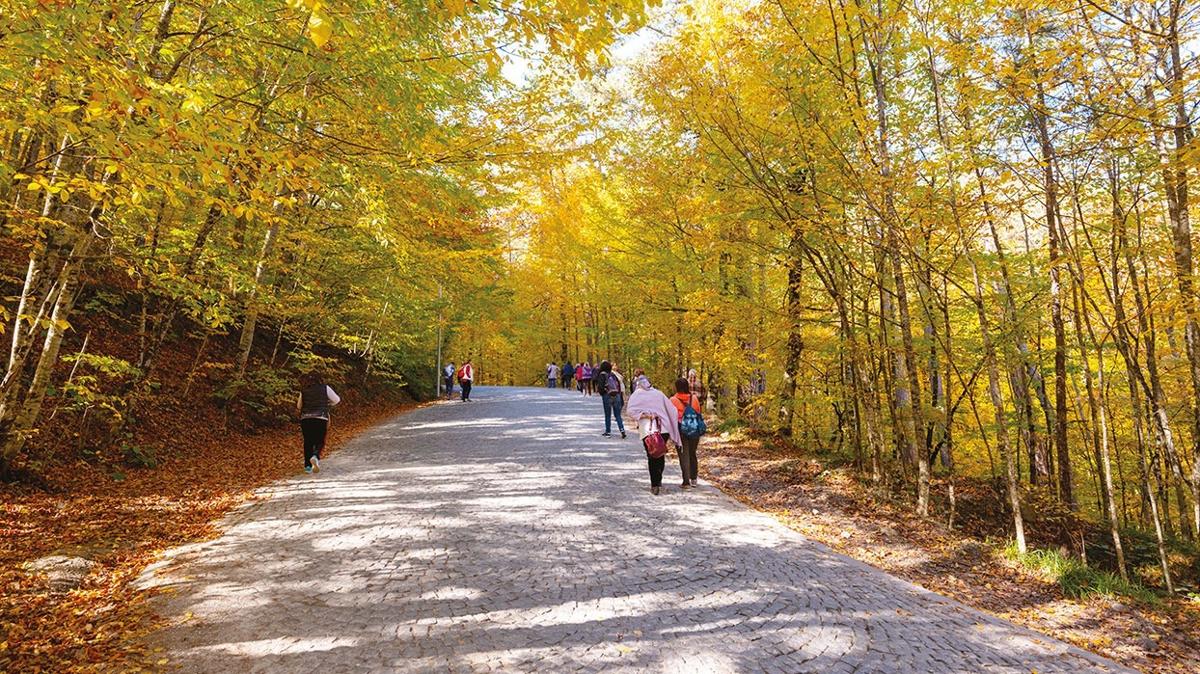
[(588, 373), (656, 424), (448, 379), (466, 374), (579, 377), (552, 375), (313, 404), (567, 373), (691, 427), (608, 387), (638, 375)]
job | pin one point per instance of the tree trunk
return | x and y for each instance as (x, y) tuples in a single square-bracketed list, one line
[(1050, 188), (1176, 184), (16, 432), (246, 341), (795, 340), (1002, 444)]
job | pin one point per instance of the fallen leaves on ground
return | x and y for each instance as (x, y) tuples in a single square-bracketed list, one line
[(832, 507), (122, 525)]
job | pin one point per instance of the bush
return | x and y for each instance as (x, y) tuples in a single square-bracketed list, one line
[(139, 456), (265, 395), (1077, 579)]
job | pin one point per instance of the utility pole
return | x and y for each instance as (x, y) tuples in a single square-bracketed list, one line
[(438, 375)]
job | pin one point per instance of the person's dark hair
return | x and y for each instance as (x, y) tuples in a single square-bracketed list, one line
[(681, 386), (638, 372), (310, 379), (605, 366)]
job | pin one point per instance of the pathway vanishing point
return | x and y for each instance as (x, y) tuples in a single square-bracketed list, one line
[(505, 534)]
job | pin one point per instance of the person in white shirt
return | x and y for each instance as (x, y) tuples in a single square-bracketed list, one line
[(313, 404), (552, 375), (448, 375)]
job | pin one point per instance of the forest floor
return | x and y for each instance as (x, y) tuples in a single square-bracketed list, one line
[(831, 506), (119, 522)]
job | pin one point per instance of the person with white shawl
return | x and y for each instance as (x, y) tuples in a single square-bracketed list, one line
[(654, 414)]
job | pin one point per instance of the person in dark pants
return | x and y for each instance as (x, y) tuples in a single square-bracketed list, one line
[(448, 376), (314, 402), (655, 416), (687, 451), (466, 374), (656, 463)]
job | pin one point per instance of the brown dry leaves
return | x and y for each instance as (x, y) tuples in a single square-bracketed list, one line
[(830, 506), (122, 526)]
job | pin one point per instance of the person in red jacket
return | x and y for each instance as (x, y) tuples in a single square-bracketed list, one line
[(687, 449), (466, 374)]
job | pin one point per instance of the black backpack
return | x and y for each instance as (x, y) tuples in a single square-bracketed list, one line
[(600, 381)]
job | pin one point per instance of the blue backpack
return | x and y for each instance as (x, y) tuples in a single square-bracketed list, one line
[(692, 424)]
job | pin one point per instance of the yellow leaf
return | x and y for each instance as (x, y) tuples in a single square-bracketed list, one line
[(319, 28)]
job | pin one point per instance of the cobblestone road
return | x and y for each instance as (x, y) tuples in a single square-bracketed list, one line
[(506, 535)]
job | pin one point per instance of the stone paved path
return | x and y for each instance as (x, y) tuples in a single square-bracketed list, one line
[(506, 535)]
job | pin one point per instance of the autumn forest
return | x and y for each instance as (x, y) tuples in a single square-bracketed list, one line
[(946, 246)]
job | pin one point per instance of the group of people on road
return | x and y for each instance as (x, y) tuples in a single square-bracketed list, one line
[(659, 418), (316, 399), (582, 377), (465, 375)]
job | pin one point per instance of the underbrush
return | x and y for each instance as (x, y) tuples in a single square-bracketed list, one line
[(1078, 580), (981, 512)]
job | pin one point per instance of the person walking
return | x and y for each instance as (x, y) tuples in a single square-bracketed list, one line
[(655, 419), (552, 375), (448, 376), (588, 373), (690, 429), (313, 404), (616, 394), (579, 377), (466, 374), (608, 387), (616, 372), (568, 374)]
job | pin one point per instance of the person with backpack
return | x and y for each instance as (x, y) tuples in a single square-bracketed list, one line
[(608, 387), (568, 374), (691, 427), (466, 374), (313, 404), (586, 378), (579, 377), (656, 424), (620, 379), (448, 377)]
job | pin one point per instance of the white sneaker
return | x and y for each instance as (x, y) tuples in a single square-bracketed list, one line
[(316, 464)]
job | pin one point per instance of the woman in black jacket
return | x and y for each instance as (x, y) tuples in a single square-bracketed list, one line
[(314, 402)]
